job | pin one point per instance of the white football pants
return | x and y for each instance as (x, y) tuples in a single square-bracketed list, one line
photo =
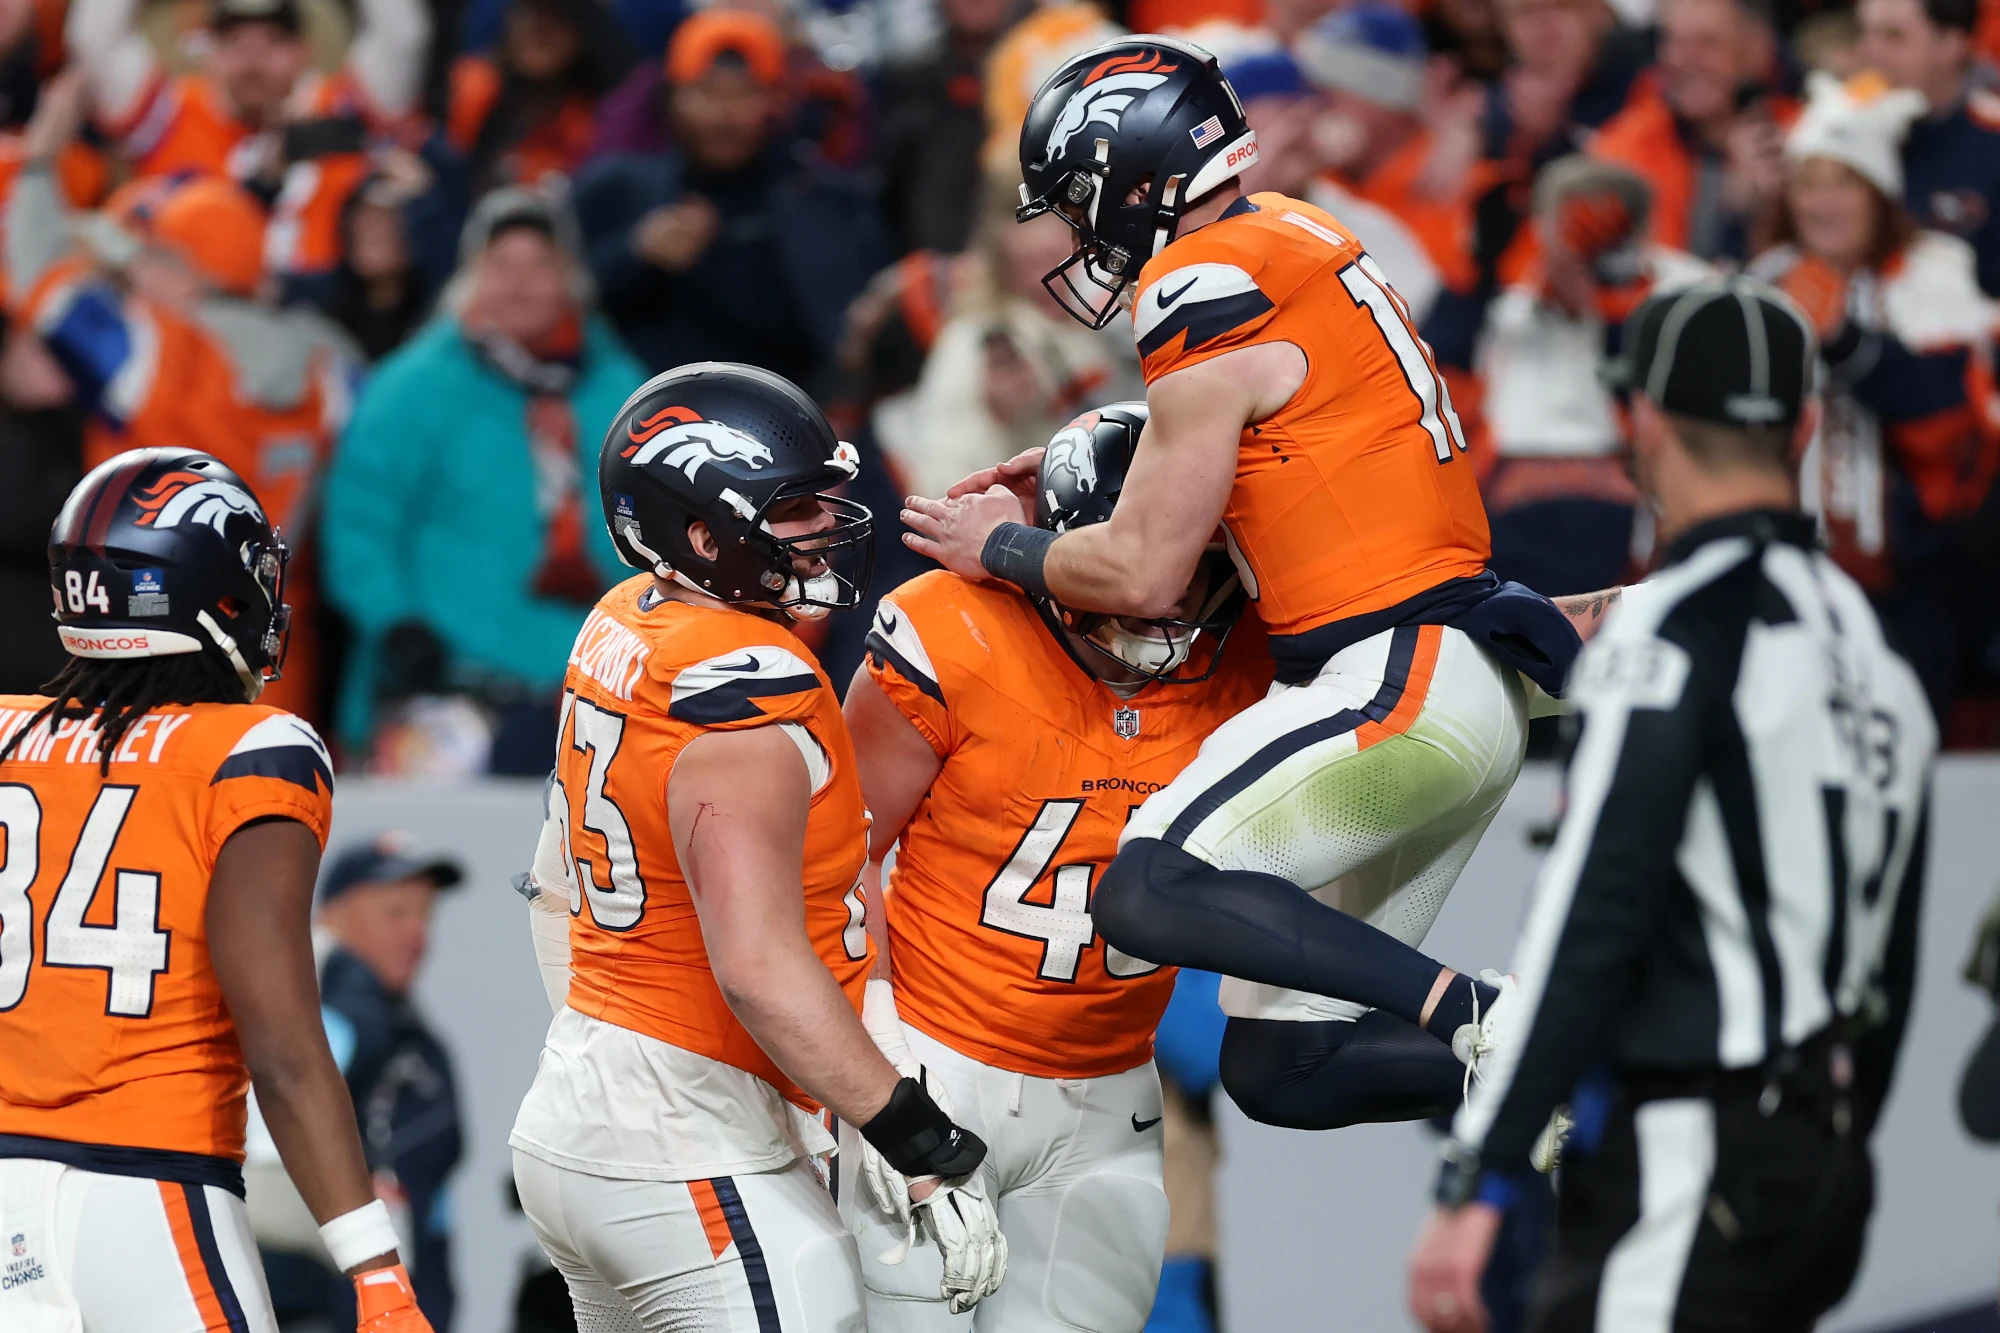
[(83, 1252), (1368, 785), (1074, 1168), (753, 1253)]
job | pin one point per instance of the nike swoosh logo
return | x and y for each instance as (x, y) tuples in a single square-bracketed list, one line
[(749, 663), (889, 620), (1143, 1125), (1167, 300)]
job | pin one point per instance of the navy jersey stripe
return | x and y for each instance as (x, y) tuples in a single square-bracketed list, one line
[(883, 651), (1395, 678), (750, 1253), (1205, 321), (733, 701), (211, 1258), (300, 765)]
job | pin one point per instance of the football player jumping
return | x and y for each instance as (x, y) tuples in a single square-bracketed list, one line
[(1005, 741), (1292, 403), (706, 839)]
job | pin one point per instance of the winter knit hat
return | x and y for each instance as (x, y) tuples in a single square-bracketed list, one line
[(1373, 49), (1859, 123)]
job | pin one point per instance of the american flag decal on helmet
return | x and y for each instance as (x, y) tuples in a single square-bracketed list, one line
[(1207, 132)]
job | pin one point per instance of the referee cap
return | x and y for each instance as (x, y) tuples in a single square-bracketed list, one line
[(1728, 349)]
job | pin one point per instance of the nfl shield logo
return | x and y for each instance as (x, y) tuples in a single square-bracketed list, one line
[(20, 1244), (1126, 723)]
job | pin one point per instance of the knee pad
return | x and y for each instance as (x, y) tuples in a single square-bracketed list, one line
[(1125, 909), (826, 1276), (1105, 1254), (1266, 1064)]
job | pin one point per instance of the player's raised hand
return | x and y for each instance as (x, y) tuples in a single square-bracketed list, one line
[(954, 532), (384, 1302), (1017, 474), (961, 1219)]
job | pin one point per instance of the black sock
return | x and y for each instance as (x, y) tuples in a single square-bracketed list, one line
[(1455, 1006)]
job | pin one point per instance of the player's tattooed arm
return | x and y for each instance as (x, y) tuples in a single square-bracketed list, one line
[(1586, 610)]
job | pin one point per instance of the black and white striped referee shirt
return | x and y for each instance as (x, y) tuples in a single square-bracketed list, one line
[(1742, 855)]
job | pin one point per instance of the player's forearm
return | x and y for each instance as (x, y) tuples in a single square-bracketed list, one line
[(1115, 569), (1586, 610), (878, 918), (791, 1005), (306, 1106)]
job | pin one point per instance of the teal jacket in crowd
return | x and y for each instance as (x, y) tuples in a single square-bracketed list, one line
[(430, 513)]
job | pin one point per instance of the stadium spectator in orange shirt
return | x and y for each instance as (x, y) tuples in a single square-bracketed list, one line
[(1369, 63), (527, 109), (1909, 444), (160, 324), (1706, 129), (257, 113), (129, 1043)]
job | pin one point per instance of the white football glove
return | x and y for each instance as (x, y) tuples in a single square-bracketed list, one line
[(960, 1218), (885, 1183)]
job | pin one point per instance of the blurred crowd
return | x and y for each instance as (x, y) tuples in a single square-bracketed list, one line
[(399, 262)]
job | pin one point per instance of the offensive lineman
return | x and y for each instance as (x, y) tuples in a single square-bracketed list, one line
[(1005, 742), (707, 820), (1293, 403), (163, 832)]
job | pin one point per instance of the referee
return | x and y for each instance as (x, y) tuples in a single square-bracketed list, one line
[(1723, 936)]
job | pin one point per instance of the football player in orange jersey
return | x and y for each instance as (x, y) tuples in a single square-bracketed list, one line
[(707, 833), (162, 833), (1293, 403), (1003, 743)]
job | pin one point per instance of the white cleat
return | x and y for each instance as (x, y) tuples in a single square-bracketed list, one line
[(1475, 1042), (1547, 1154)]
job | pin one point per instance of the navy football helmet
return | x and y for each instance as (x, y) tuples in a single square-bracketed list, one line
[(160, 552), (1082, 474), (724, 444), (1145, 116)]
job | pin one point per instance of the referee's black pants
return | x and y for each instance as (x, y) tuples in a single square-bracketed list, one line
[(1699, 1212)]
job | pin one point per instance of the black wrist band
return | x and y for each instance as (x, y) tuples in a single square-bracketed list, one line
[(1015, 552), (918, 1139)]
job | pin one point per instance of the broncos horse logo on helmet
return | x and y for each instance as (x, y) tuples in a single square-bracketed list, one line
[(722, 446), (189, 497), (1107, 90), (689, 445)]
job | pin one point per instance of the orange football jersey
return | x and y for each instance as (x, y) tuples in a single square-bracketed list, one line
[(647, 676), (113, 1029), (1356, 495), (988, 902)]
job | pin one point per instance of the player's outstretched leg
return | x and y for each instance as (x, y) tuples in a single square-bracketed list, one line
[(1330, 1075), (1369, 786), (1167, 906)]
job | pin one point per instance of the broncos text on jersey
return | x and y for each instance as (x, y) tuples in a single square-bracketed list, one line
[(989, 899)]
